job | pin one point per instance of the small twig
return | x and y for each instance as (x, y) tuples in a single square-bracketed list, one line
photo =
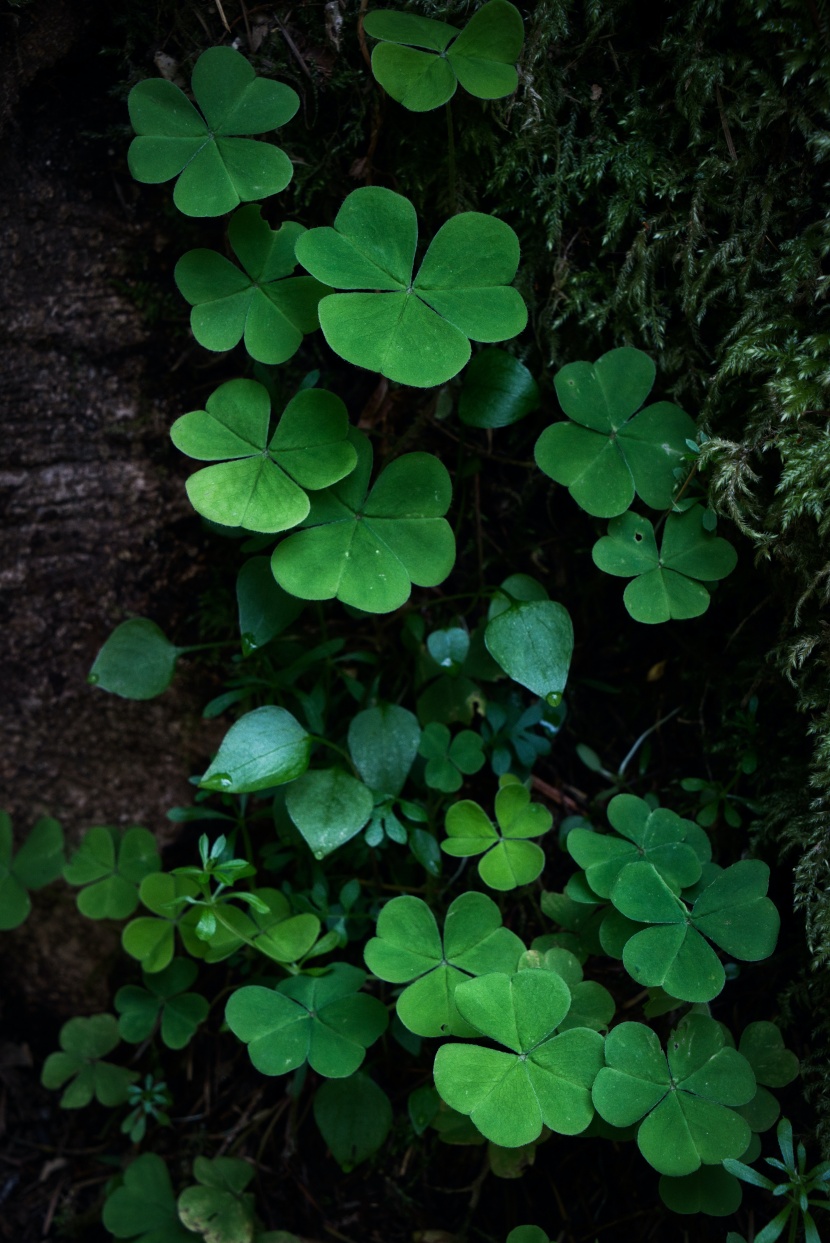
[(727, 135), (221, 13)]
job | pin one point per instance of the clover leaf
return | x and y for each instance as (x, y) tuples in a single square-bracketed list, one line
[(38, 862), (603, 455), (409, 947), (265, 304), (533, 642), (591, 1004), (448, 758), (669, 584), (383, 743), (508, 858), (329, 807), (264, 748), (324, 1020), (216, 169), (709, 1189), (143, 1208), (658, 836), (527, 1234), (151, 938), (579, 922), (498, 390), (763, 1047), (414, 329), (164, 998), (354, 1116), (545, 1080), (219, 1209), (84, 1042), (260, 482), (482, 57), (136, 662), (674, 951), (367, 547), (683, 1098), (109, 867)]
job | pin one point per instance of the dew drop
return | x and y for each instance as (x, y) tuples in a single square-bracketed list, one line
[(318, 854), (553, 699), (93, 679), (249, 644)]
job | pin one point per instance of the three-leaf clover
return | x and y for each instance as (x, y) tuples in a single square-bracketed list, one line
[(219, 1208), (164, 997), (216, 169), (591, 1004), (261, 478), (151, 938), (367, 547), (482, 57), (674, 951), (109, 868), (143, 1208), (413, 328), (547, 1077), (669, 583), (603, 455), (264, 304), (38, 862), (449, 759), (84, 1042), (508, 858), (683, 1098), (324, 1020), (409, 947)]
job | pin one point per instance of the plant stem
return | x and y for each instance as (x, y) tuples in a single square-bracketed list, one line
[(451, 178)]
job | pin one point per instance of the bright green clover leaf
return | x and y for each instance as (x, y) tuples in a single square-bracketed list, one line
[(219, 1209), (674, 952), (482, 57), (591, 1004), (165, 997), (265, 304), (657, 836), (216, 169), (260, 479), (367, 547), (603, 455), (324, 1020), (533, 642), (136, 662), (329, 807), (683, 1100), (110, 867), (545, 1080), (527, 1234), (354, 1116), (409, 947), (265, 610), (498, 390), (508, 858), (264, 748), (143, 1208), (448, 758), (151, 938), (272, 930), (38, 862), (412, 329), (383, 743), (708, 1190), (669, 584), (85, 1041)]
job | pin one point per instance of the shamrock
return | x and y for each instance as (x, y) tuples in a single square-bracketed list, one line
[(668, 583), (409, 947), (265, 304), (259, 484), (84, 1042), (448, 758), (216, 170), (367, 547), (545, 1079), (164, 998), (591, 1004), (219, 1208), (497, 390), (151, 938), (482, 57), (321, 1019), (143, 1208), (508, 858), (683, 1098), (38, 862), (415, 329), (109, 866), (604, 455)]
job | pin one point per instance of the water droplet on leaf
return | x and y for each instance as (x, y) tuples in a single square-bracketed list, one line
[(93, 679), (553, 699)]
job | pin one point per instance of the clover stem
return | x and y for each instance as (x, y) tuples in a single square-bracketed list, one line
[(451, 178)]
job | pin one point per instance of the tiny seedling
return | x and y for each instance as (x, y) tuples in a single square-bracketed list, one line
[(147, 1101), (802, 1190)]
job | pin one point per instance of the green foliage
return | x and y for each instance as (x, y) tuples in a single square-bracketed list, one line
[(367, 547), (508, 858), (147, 1100), (329, 807), (136, 662), (265, 305), (409, 949), (38, 862), (415, 329), (354, 1116), (497, 390), (109, 867), (449, 759), (164, 1000), (264, 748), (84, 1043), (532, 641), (143, 1208), (219, 1208), (527, 1234), (709, 1189), (261, 479), (215, 169), (591, 1004), (799, 1188), (265, 610), (383, 743), (420, 61)]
